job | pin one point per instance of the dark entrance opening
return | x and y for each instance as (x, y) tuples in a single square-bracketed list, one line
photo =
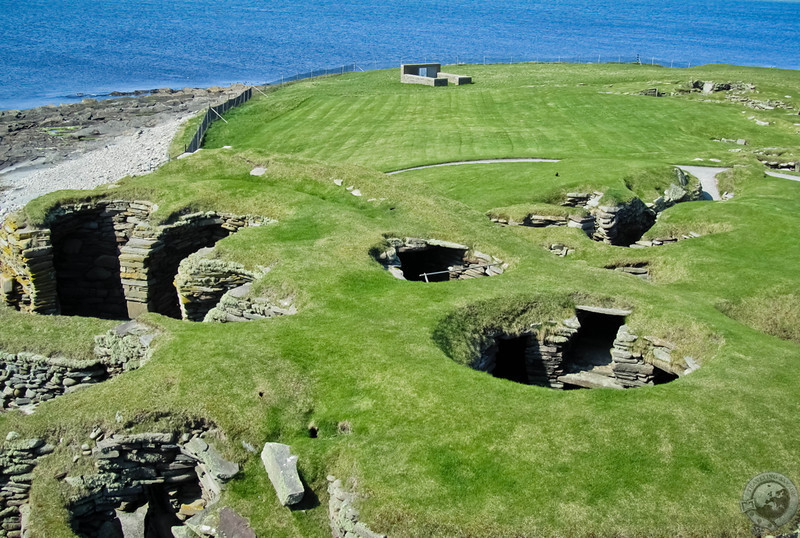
[(590, 349), (430, 263), (178, 243), (511, 361), (662, 376), (86, 261), (153, 514)]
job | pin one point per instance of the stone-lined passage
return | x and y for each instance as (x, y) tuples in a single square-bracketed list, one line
[(432, 260), (593, 349), (152, 482)]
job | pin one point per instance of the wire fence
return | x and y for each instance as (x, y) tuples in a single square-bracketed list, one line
[(215, 113)]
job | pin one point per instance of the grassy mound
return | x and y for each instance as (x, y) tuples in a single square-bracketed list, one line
[(438, 449)]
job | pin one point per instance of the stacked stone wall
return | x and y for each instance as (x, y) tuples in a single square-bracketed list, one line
[(27, 277), (151, 259), (136, 469), (460, 262), (343, 515), (17, 461), (201, 282), (27, 379), (237, 305), (635, 361), (622, 224), (104, 258)]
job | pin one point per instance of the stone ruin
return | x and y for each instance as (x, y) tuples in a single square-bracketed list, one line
[(620, 224), (593, 349), (430, 75), (105, 259), (18, 457), (149, 484), (343, 516), (432, 260), (27, 379)]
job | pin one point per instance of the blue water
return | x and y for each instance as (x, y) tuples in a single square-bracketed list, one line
[(54, 51)]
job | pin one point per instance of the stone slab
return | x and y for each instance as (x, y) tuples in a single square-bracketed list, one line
[(606, 311), (281, 468)]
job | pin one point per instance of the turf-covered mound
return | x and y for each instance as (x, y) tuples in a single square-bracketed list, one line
[(367, 381)]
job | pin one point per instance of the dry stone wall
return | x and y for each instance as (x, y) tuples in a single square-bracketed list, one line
[(149, 263), (343, 515), (104, 259), (201, 282), (634, 361), (449, 261), (622, 223), (174, 475), (17, 461), (27, 379), (238, 305)]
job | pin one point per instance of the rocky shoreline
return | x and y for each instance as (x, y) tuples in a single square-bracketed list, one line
[(93, 142)]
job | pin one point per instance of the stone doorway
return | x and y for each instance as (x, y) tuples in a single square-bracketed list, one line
[(430, 263), (590, 348), (178, 243), (510, 360), (432, 260), (86, 263)]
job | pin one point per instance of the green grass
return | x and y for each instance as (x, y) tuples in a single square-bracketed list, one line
[(185, 135), (439, 449)]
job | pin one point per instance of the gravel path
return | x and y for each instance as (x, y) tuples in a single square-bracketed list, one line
[(129, 155), (708, 178), (780, 175), (479, 161)]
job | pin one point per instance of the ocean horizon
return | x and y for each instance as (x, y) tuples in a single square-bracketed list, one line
[(55, 51)]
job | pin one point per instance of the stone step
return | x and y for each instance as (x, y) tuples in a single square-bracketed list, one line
[(590, 380)]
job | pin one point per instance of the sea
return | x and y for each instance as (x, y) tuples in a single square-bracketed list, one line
[(57, 51)]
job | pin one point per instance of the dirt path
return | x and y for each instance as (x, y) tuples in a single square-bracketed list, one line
[(478, 161), (708, 179)]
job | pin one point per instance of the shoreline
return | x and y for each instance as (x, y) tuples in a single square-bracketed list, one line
[(93, 142)]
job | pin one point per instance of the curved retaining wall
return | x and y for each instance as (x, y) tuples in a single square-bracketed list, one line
[(104, 259), (27, 379)]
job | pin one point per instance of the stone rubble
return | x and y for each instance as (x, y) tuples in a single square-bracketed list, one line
[(238, 305), (343, 515)]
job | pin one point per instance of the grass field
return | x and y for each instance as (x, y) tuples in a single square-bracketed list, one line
[(436, 448)]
